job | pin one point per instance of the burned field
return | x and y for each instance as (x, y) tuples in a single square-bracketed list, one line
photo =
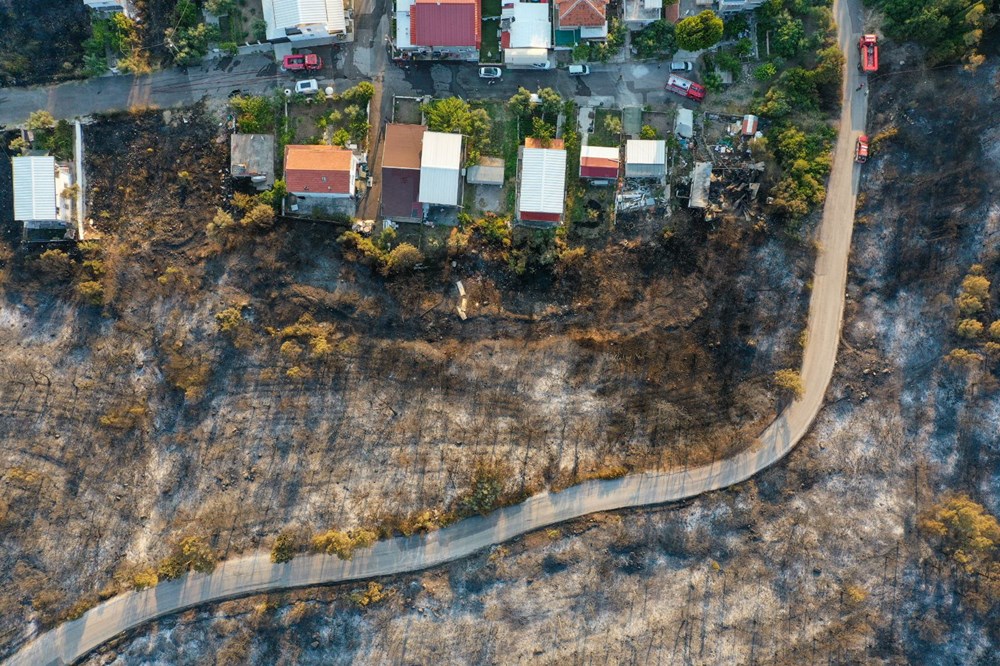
[(41, 41), (821, 558), (232, 385)]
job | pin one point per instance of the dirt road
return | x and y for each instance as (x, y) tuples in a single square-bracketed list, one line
[(255, 573)]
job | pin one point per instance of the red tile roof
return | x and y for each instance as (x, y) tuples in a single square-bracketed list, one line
[(445, 23), (318, 169), (582, 13)]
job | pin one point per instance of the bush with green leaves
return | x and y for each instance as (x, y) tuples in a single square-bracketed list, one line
[(655, 40), (454, 115), (700, 31), (950, 29)]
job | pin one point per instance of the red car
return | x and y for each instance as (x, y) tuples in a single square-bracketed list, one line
[(301, 63), (861, 149)]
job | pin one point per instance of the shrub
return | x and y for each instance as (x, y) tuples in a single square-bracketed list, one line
[(91, 291), (284, 548), (40, 120), (372, 595), (995, 330), (401, 259), (648, 132), (969, 305), (260, 217), (976, 285), (789, 382), (489, 481), (145, 578), (969, 328), (964, 531), (190, 554), (56, 265), (766, 71)]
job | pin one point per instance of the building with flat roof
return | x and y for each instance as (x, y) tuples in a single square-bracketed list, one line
[(440, 169), (541, 190), (43, 202), (526, 33), (645, 158), (487, 171), (305, 22)]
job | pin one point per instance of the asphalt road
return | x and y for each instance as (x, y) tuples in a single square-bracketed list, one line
[(162, 89), (255, 573)]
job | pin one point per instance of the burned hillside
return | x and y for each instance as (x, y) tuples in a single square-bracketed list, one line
[(167, 379)]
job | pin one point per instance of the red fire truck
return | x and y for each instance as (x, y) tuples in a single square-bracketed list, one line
[(861, 149), (868, 50), (685, 88)]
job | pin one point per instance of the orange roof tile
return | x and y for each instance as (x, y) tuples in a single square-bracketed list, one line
[(582, 13), (318, 169)]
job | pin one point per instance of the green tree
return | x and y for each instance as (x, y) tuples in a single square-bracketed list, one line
[(520, 102), (284, 548), (790, 382), (220, 7), (648, 132), (551, 102), (789, 39), (542, 130), (401, 259), (657, 38), (713, 81), (951, 29), (56, 265), (454, 115), (700, 31), (341, 137), (613, 124), (764, 72), (969, 328)]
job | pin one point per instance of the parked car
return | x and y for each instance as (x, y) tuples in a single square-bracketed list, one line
[(542, 65), (301, 62), (307, 87), (490, 72), (579, 70), (681, 66)]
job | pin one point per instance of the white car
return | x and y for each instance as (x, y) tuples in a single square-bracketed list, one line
[(307, 87), (681, 67), (542, 65), (490, 72)]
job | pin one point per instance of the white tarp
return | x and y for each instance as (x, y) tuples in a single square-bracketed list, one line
[(34, 188)]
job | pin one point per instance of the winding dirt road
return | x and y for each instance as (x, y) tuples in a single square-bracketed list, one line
[(255, 573)]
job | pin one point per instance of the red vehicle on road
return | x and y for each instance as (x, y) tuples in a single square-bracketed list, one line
[(861, 149), (685, 88), (302, 63), (868, 50)]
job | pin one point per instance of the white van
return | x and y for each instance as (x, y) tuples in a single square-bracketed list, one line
[(579, 70)]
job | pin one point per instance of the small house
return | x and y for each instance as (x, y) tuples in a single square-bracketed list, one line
[(749, 125), (541, 190), (640, 13), (599, 163), (581, 19), (645, 158), (401, 171), (320, 172), (526, 34), (305, 22), (440, 169), (251, 157), (487, 171), (43, 202), (448, 29), (684, 123)]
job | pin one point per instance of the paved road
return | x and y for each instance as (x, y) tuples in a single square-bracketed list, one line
[(163, 89), (255, 573)]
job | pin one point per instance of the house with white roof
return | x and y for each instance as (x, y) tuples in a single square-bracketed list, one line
[(541, 189), (440, 169), (526, 33), (43, 201), (112, 6), (645, 158), (305, 22)]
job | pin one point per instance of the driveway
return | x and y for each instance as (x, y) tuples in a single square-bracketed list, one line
[(254, 573)]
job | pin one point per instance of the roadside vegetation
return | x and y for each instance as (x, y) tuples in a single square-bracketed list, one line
[(949, 29)]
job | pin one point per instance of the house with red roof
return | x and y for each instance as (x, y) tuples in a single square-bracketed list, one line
[(581, 19), (599, 163), (320, 172), (441, 29)]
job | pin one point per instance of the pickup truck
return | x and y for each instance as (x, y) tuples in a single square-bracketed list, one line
[(307, 62)]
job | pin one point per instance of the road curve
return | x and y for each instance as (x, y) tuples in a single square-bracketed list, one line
[(255, 574)]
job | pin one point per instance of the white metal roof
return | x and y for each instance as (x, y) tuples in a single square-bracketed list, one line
[(543, 180), (645, 151), (653, 4), (599, 152), (34, 188), (525, 56), (440, 167), (701, 183), (530, 25), (281, 14)]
